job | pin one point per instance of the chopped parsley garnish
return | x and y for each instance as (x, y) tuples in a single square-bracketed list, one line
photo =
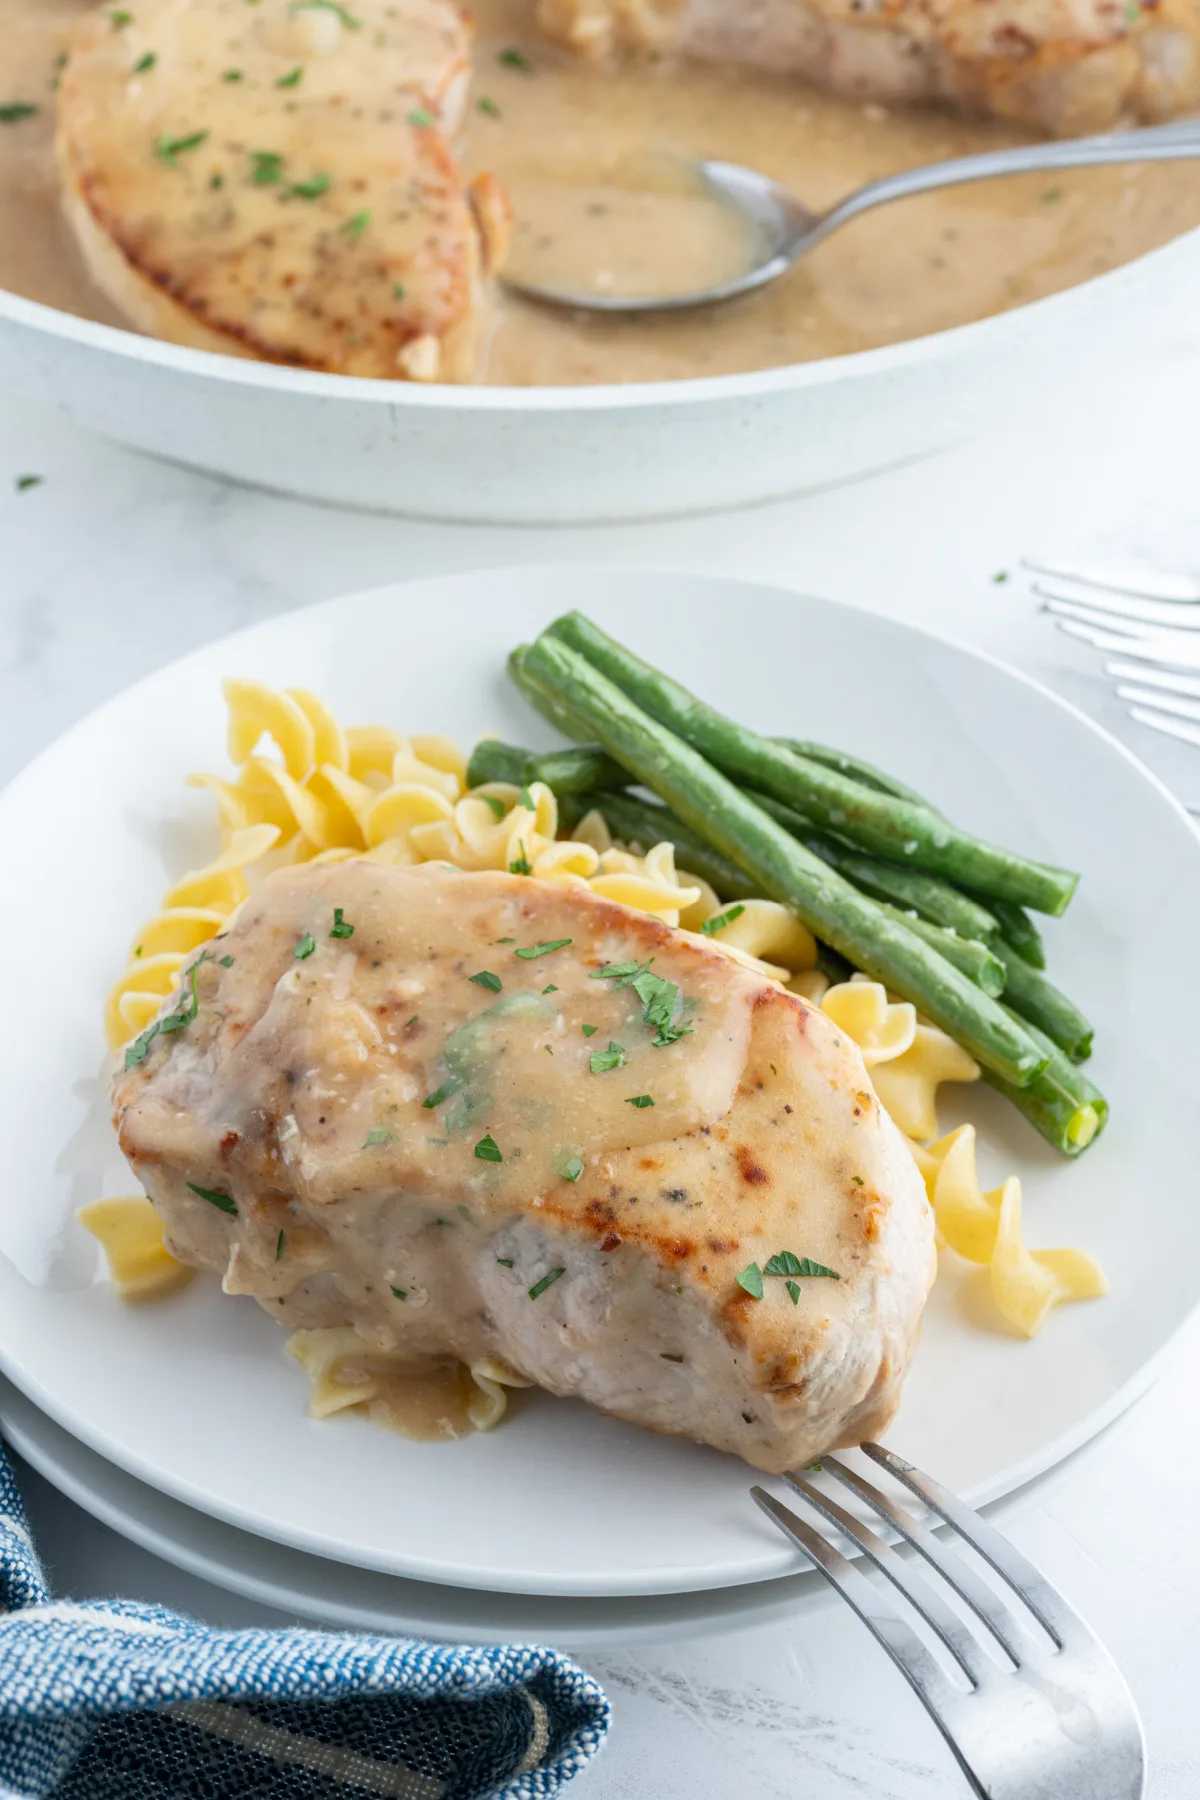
[(293, 78), (526, 801), (784, 1263), (280, 1241), (136, 1053), (619, 973), (571, 1168), (145, 62), (793, 1292), (216, 181), (670, 1356), (355, 227), (380, 1135), (305, 947), (488, 107), (589, 1030), (639, 1100), (400, 1293), (550, 988), (266, 167), (168, 148), (488, 1150), (23, 483), (516, 59), (813, 1269), (485, 979), (398, 294), (343, 12), (533, 950), (415, 1018), (465, 1212), (506, 1262), (657, 996), (751, 1280), (440, 1094), (720, 920), (226, 962), (548, 1280), (1000, 575), (496, 805), (15, 111), (120, 18), (520, 865), (601, 1061), (858, 1181), (233, 75), (419, 116), (340, 929), (222, 1202), (504, 940), (312, 189)]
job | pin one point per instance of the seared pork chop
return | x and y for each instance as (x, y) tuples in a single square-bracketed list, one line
[(275, 181), (460, 1113), (1063, 66)]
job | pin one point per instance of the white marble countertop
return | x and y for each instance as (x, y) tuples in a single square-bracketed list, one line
[(114, 564)]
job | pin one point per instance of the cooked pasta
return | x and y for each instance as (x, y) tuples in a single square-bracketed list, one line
[(131, 1235), (443, 1402)]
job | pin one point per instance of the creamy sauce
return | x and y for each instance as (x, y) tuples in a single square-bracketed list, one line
[(564, 139)]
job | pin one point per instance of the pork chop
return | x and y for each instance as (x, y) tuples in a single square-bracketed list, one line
[(477, 1115), (276, 181), (1063, 66)]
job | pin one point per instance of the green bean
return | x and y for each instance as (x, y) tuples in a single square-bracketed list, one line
[(781, 868), (855, 769), (555, 712), (974, 959), (878, 822), (1060, 1101), (910, 889), (1040, 1003), (1019, 930), (642, 822), (566, 771)]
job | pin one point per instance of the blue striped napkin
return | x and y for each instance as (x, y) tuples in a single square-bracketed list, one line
[(112, 1700)]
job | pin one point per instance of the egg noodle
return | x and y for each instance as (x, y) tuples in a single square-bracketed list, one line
[(329, 794)]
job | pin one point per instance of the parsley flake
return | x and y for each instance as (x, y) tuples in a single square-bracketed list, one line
[(496, 805), (485, 979), (380, 1135), (312, 189), (793, 1292), (305, 947), (516, 59), (550, 988), (521, 865), (419, 116), (720, 920), (548, 1280), (293, 78), (639, 1100), (233, 75), (571, 1168), (221, 1201), (145, 62), (266, 167), (400, 1293), (354, 228), (120, 18), (438, 1095), (601, 1061), (589, 1030), (226, 962), (488, 1150), (280, 1241), (751, 1279), (506, 1262), (168, 148), (526, 801), (340, 929), (23, 483), (488, 107), (504, 940), (670, 1356), (533, 950), (15, 111)]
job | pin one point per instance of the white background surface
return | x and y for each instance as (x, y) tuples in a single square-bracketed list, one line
[(116, 564)]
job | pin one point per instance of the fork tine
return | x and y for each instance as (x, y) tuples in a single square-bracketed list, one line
[(1114, 613), (878, 1613), (1167, 649), (982, 1599), (1047, 1606), (1163, 703), (1150, 584), (1158, 721), (1151, 678), (953, 1631)]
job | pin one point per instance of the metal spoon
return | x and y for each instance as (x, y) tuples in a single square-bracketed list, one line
[(784, 229)]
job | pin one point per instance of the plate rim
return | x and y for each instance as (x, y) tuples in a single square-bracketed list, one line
[(418, 1569)]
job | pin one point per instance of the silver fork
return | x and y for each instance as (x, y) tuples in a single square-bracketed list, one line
[(1038, 1721), (1152, 619)]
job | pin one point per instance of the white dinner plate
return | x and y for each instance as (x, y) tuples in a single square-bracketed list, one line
[(196, 1397)]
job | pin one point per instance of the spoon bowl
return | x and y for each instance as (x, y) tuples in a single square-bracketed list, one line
[(780, 229)]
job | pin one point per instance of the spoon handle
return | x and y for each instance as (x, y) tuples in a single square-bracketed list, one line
[(1155, 143)]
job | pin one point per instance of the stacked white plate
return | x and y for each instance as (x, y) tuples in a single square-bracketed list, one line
[(183, 1424)]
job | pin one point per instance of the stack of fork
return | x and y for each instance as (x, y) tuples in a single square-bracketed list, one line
[(1152, 622)]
